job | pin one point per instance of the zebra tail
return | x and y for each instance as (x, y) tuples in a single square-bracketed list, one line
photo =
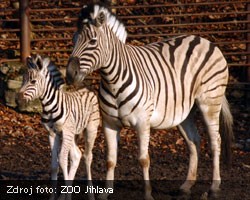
[(227, 136)]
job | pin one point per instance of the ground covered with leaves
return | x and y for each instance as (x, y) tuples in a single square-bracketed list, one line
[(25, 155)]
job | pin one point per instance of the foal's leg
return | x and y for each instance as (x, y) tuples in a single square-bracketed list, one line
[(75, 158), (143, 130), (54, 140), (190, 134), (67, 142), (89, 136)]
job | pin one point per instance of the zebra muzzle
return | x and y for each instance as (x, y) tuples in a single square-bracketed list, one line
[(72, 70), (21, 100)]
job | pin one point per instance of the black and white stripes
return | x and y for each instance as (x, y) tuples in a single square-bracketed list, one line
[(153, 86), (65, 114)]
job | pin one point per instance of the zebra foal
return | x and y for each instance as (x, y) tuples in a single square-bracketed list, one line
[(153, 86), (65, 115)]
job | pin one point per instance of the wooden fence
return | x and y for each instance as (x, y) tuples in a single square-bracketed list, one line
[(37, 26)]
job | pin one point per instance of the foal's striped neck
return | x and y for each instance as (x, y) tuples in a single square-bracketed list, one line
[(53, 82)]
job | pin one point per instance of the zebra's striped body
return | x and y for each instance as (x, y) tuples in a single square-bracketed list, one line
[(153, 86), (65, 114), (171, 86)]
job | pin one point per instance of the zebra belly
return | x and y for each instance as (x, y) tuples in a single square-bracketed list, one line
[(168, 117)]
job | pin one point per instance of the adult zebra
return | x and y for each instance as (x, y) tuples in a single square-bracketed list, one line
[(65, 114), (153, 86)]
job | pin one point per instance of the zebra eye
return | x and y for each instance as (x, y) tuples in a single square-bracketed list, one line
[(33, 81), (93, 41)]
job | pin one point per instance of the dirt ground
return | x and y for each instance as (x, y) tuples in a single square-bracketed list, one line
[(25, 155)]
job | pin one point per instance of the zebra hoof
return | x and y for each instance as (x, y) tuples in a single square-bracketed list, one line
[(149, 197), (103, 197), (53, 197), (214, 194), (62, 197), (91, 196), (204, 196), (65, 197), (184, 194)]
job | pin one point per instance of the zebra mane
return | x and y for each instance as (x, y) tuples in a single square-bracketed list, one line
[(98, 14), (55, 75), (46, 66)]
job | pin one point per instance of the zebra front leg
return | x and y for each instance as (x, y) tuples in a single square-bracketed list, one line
[(192, 138), (54, 141), (75, 158), (63, 160), (144, 159), (89, 137), (112, 137), (67, 142)]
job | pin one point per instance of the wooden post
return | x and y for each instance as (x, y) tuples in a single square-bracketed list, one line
[(248, 56), (25, 30), (248, 44)]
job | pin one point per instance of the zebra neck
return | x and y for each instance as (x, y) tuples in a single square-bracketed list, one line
[(119, 72), (116, 63), (49, 99)]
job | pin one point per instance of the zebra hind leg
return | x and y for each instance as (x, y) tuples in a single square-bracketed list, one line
[(211, 114), (192, 138)]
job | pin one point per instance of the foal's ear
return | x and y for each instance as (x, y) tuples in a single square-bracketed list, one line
[(29, 62), (39, 62), (46, 62), (32, 62), (100, 18)]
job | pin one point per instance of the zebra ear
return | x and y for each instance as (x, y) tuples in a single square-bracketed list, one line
[(46, 62), (29, 62), (39, 62), (100, 19)]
